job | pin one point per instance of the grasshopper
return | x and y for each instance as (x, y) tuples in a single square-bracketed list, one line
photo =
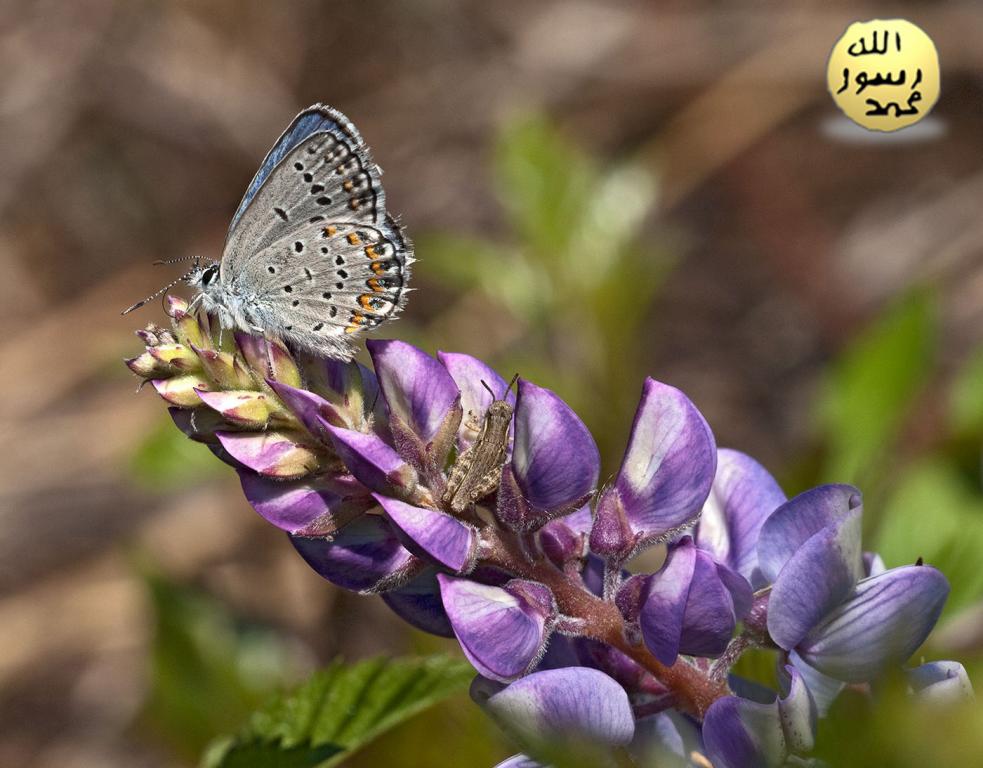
[(478, 471)]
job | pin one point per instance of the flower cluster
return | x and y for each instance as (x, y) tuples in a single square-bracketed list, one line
[(477, 514)]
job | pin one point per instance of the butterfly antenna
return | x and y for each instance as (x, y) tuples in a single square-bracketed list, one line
[(165, 289), (179, 259), (511, 383)]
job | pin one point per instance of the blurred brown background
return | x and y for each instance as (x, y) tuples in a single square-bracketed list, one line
[(128, 131)]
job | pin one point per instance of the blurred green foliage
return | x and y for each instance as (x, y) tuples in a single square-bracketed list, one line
[(208, 671), (934, 513), (872, 386), (966, 398), (573, 272), (166, 458), (893, 729)]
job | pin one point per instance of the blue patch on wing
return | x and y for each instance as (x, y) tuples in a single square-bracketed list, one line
[(315, 119)]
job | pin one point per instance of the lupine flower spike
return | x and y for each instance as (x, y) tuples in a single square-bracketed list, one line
[(476, 513)]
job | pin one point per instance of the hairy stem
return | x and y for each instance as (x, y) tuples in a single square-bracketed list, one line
[(693, 689)]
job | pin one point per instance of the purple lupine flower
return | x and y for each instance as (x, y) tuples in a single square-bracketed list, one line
[(353, 463), (502, 630), (743, 496), (690, 606), (739, 732), (555, 463), (665, 475), (560, 703), (940, 682), (842, 623)]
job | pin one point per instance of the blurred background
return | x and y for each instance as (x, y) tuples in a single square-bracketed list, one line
[(597, 191)]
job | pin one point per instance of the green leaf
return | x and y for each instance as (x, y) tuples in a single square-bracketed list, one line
[(937, 514), (873, 385), (339, 710)]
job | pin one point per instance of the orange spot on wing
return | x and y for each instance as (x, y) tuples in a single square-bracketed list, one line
[(357, 319), (378, 268), (331, 231), (353, 239), (373, 283), (370, 252)]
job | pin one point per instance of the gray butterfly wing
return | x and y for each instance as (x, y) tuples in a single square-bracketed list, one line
[(318, 171), (326, 282)]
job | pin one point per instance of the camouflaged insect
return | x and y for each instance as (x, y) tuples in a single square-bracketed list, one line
[(478, 470)]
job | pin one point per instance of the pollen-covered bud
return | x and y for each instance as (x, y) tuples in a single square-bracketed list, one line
[(224, 369), (182, 391), (241, 407), (146, 366), (268, 358), (178, 356)]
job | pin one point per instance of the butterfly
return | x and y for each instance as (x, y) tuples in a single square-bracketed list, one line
[(312, 257)]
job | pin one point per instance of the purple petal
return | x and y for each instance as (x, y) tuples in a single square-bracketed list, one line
[(418, 390), (798, 519), (744, 494), (942, 682), (365, 556), (468, 374), (442, 538), (817, 578), (312, 410), (418, 603), (885, 621), (738, 733), (669, 465), (710, 616), (797, 712), (664, 608), (824, 689), (873, 564), (502, 634), (564, 539), (740, 590), (519, 761), (313, 507), (558, 703), (273, 454), (371, 460), (554, 459)]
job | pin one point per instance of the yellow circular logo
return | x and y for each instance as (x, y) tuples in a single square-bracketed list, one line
[(884, 74)]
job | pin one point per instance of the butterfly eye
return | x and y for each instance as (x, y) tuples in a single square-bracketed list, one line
[(208, 275)]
